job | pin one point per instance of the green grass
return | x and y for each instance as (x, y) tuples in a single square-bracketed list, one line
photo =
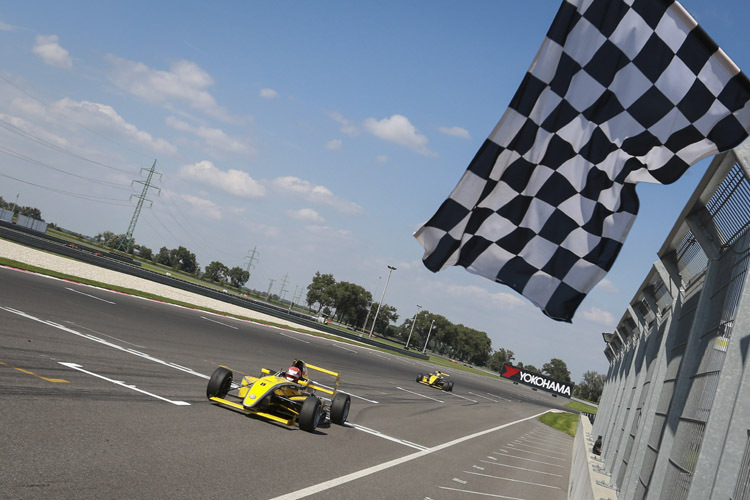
[(564, 422), (583, 408)]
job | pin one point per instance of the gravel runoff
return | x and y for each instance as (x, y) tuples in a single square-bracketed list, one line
[(72, 267)]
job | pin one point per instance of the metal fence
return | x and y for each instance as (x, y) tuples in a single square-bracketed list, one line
[(675, 411)]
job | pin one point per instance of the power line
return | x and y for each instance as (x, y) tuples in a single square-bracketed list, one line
[(127, 241), (96, 199)]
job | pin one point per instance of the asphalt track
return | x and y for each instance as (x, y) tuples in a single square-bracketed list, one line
[(102, 395)]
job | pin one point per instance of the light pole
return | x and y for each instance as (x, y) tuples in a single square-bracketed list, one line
[(412, 326), (428, 337), (390, 270)]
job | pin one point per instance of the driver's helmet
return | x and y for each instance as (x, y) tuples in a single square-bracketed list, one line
[(293, 374), (302, 367)]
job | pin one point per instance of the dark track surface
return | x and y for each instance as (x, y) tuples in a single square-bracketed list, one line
[(105, 425)]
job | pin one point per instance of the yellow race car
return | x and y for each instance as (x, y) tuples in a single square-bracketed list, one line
[(286, 396), (436, 379)]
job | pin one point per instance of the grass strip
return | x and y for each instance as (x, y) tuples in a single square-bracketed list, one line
[(564, 422)]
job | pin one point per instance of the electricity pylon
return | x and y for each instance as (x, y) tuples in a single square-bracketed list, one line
[(127, 241)]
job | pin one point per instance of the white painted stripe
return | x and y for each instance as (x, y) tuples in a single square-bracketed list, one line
[(535, 453), (344, 348), (519, 468), (109, 336), (527, 459), (87, 295), (219, 323), (463, 397), (344, 392), (384, 436), (332, 483), (500, 397), (123, 384), (294, 338), (459, 481), (418, 394), (105, 342), (548, 450), (483, 397), (480, 493), (513, 480)]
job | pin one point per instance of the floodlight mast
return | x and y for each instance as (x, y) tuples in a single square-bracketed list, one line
[(390, 270), (412, 325)]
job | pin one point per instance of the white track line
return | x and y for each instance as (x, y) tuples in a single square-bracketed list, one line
[(384, 436), (527, 459), (87, 295), (418, 394), (219, 323), (513, 480), (349, 393), (519, 468), (344, 348), (480, 493), (327, 485), (123, 384), (463, 397), (500, 397), (294, 338), (483, 397)]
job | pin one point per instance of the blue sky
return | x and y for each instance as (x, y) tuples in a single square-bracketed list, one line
[(321, 133)]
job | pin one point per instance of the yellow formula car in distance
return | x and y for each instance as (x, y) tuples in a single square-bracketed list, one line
[(436, 379), (287, 396)]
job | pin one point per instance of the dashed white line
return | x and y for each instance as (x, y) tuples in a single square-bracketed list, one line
[(294, 338), (500, 397), (527, 459), (483, 397), (418, 394), (219, 323), (512, 480), (91, 296), (344, 348), (123, 384), (519, 468), (385, 436), (535, 453), (480, 493), (462, 397), (332, 483)]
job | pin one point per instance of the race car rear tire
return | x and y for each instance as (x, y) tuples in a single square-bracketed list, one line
[(340, 408), (419, 377), (447, 386), (219, 383), (309, 416)]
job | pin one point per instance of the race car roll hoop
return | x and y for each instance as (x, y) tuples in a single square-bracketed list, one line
[(286, 396)]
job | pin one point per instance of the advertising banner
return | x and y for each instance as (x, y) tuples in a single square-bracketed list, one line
[(537, 380)]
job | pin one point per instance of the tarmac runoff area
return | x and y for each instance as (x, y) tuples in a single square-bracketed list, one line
[(83, 270)]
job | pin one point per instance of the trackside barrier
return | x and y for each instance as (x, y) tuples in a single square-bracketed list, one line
[(122, 265), (588, 479), (675, 410)]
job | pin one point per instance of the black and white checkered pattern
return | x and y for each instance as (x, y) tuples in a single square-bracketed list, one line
[(621, 91)]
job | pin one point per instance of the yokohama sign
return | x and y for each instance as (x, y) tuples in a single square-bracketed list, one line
[(536, 380)]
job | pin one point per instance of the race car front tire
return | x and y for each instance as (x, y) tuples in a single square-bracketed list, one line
[(419, 377), (340, 408), (450, 389), (309, 416), (219, 383)]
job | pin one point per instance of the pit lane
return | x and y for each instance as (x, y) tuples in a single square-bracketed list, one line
[(113, 429)]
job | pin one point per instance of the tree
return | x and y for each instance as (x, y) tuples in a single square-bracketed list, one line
[(216, 271), (350, 301), (163, 257), (500, 358), (557, 369), (238, 276), (143, 251), (591, 387), (386, 315), (529, 368), (321, 291), (183, 259)]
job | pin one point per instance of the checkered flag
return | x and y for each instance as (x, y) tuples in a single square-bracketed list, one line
[(621, 91)]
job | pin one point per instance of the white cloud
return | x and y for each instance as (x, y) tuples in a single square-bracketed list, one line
[(268, 94), (315, 194), (7, 27), (459, 132), (478, 295), (607, 286), (235, 182), (205, 207), (334, 144), (185, 82), (382, 159), (600, 316), (213, 137), (347, 127), (327, 233), (48, 48), (306, 214), (398, 129)]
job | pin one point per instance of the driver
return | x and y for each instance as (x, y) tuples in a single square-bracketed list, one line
[(293, 374)]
